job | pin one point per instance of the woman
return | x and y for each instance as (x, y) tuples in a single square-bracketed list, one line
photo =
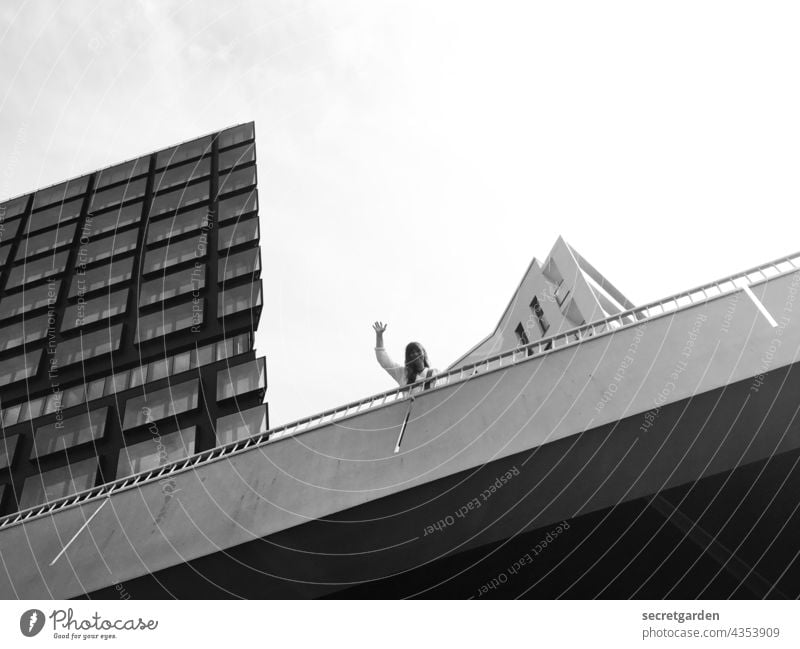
[(416, 366)]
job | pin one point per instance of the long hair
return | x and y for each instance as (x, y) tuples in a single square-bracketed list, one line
[(416, 361)]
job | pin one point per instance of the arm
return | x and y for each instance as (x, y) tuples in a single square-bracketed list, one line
[(396, 371)]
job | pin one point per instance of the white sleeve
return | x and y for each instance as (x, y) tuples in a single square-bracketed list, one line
[(397, 372)]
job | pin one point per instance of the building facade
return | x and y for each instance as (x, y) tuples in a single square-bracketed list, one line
[(129, 298)]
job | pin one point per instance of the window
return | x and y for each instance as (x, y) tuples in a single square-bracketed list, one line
[(242, 379), (116, 383), (238, 156), (4, 250), (19, 367), (522, 337), (113, 220), (241, 425), (49, 240), (181, 175), (100, 308), (239, 298), (539, 313), (121, 172), (236, 135), (85, 346), (8, 229), (115, 195), (61, 192), (177, 224), (114, 244), (180, 197), (119, 270), (11, 414), (238, 205), (156, 452), (167, 402), (13, 208), (237, 179), (60, 213), (58, 483), (25, 331), (8, 445), (236, 233), (30, 271), (185, 151), (70, 432), (174, 253), (29, 299), (176, 318), (165, 287), (240, 263)]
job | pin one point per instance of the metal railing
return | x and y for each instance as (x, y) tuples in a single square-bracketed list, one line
[(630, 318)]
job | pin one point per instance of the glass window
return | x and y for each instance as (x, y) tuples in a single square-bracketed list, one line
[(241, 379), (238, 156), (74, 396), (70, 432), (20, 367), (4, 250), (14, 207), (119, 270), (114, 244), (180, 197), (177, 224), (31, 409), (85, 346), (115, 195), (181, 363), (236, 233), (138, 376), (30, 271), (156, 452), (237, 264), (175, 253), (95, 389), (61, 192), (241, 425), (239, 298), (99, 308), (11, 415), (49, 240), (181, 175), (116, 383), (58, 483), (8, 445), (113, 220), (53, 402), (238, 205), (235, 135), (165, 321), (60, 213), (203, 356), (158, 369), (167, 286), (185, 151), (237, 179), (121, 172), (8, 229), (25, 331), (160, 404), (29, 299)]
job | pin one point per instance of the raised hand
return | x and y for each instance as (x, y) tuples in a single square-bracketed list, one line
[(379, 327)]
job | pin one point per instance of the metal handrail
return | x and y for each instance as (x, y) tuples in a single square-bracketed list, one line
[(575, 336)]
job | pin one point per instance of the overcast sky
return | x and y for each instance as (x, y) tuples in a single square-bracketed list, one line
[(414, 157)]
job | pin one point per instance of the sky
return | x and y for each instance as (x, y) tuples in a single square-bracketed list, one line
[(414, 156)]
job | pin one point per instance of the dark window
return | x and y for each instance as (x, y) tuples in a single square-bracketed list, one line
[(4, 250), (70, 432), (49, 240), (167, 286), (24, 331), (174, 253), (237, 156), (60, 213), (177, 224), (240, 263), (236, 233), (160, 404), (166, 321), (237, 206), (30, 271), (522, 337), (178, 198), (58, 483), (121, 172), (540, 317), (119, 270), (241, 425), (60, 193), (238, 380), (14, 207), (8, 229), (236, 135), (19, 367), (239, 298), (8, 445), (113, 220), (113, 244), (181, 175), (85, 346), (185, 151), (119, 194), (29, 299), (237, 179), (153, 453), (100, 308)]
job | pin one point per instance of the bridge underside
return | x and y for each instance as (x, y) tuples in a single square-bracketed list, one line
[(730, 529)]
